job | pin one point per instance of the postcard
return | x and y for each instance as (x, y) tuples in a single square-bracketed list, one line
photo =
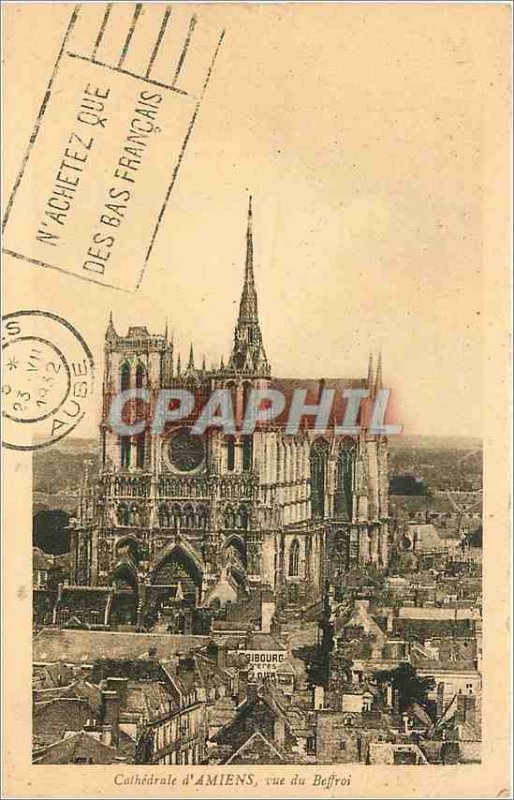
[(256, 353)]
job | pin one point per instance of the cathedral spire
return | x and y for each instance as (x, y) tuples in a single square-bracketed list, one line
[(378, 379), (179, 367), (370, 372), (248, 353), (110, 333), (191, 362), (248, 304)]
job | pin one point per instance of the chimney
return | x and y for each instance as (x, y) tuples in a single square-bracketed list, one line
[(120, 686), (221, 656), (396, 701), (450, 753), (185, 663), (318, 698), (279, 731), (466, 708), (440, 699), (267, 611), (242, 685), (111, 713), (252, 692), (405, 720), (389, 620), (389, 695)]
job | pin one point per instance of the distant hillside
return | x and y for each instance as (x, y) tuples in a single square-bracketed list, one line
[(58, 473), (435, 443), (441, 463)]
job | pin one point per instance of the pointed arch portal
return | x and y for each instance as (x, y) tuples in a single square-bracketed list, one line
[(179, 564)]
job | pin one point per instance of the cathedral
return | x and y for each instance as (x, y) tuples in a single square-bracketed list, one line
[(195, 522)]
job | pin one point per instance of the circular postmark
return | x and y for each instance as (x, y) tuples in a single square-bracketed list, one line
[(47, 379)]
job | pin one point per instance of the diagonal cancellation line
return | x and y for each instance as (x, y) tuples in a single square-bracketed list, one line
[(211, 65), (160, 35), (40, 115), (180, 158), (135, 17), (187, 42), (102, 30)]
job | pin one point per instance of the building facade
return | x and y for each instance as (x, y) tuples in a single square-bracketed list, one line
[(170, 517)]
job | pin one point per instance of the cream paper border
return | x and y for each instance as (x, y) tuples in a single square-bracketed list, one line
[(491, 778)]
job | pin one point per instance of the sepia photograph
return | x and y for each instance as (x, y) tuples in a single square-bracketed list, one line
[(255, 364)]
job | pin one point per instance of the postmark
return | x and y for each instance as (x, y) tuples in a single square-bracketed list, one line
[(106, 147), (47, 380)]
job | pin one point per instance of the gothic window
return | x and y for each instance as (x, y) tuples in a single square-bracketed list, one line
[(243, 518), (344, 482), (164, 517), (294, 558), (125, 451), (247, 453), (202, 518), (140, 376), (229, 519), (247, 387), (231, 453), (123, 514), (140, 450), (125, 377), (176, 516), (318, 469), (189, 517)]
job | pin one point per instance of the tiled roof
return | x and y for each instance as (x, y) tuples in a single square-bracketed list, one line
[(264, 641), (78, 745), (51, 719), (257, 748), (80, 646), (150, 699)]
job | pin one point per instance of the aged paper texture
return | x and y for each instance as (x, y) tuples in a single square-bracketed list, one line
[(256, 358)]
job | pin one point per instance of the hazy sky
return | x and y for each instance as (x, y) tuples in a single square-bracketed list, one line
[(359, 131)]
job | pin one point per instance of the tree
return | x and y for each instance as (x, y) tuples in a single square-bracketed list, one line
[(49, 531), (407, 485), (410, 687)]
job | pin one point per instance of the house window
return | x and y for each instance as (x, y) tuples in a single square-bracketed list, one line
[(342, 744), (294, 558), (311, 744)]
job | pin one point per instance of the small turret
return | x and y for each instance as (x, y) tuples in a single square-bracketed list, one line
[(111, 337)]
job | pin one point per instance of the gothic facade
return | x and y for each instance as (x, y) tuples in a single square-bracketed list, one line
[(182, 520)]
